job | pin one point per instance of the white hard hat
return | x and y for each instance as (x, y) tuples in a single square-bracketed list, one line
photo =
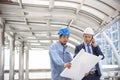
[(88, 31)]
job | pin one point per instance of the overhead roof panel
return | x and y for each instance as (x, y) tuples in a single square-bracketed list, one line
[(65, 4), (112, 3), (93, 11), (101, 7), (41, 2), (41, 19)]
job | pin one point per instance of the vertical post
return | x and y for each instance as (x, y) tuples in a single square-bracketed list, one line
[(27, 64), (51, 4), (106, 58), (12, 57), (21, 62), (113, 59), (2, 27), (119, 43)]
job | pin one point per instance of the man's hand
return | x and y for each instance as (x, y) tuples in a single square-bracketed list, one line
[(68, 65), (94, 43), (86, 74)]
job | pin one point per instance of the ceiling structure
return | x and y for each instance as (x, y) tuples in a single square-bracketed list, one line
[(36, 22)]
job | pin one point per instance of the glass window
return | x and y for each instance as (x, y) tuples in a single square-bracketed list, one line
[(108, 33), (118, 24), (113, 33), (109, 51), (115, 36), (116, 44), (114, 27), (99, 36)]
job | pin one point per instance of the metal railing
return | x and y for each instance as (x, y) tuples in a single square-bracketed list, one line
[(109, 73)]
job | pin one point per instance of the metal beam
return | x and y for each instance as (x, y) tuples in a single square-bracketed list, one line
[(28, 30), (70, 23), (79, 7), (107, 68), (40, 11), (31, 70), (50, 38), (9, 35), (111, 3), (20, 3), (103, 27), (26, 5), (56, 16), (111, 16), (1, 57), (51, 4)]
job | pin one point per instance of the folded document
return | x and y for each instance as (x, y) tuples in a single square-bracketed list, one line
[(81, 64)]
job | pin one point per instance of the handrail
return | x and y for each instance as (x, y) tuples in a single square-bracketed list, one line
[(30, 70)]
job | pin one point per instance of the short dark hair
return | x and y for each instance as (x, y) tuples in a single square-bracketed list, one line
[(60, 35)]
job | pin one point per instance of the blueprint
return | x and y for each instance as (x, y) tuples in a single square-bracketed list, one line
[(81, 64)]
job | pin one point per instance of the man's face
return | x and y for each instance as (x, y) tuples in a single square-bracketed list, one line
[(63, 39), (87, 38)]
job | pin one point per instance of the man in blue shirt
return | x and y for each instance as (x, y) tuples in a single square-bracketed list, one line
[(91, 47), (59, 56)]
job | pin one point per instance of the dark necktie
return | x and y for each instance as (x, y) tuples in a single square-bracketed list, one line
[(88, 47)]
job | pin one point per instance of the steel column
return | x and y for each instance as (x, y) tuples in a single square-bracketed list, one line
[(27, 65), (21, 62), (2, 27), (12, 57)]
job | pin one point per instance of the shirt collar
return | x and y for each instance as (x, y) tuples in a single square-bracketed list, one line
[(86, 44), (65, 46)]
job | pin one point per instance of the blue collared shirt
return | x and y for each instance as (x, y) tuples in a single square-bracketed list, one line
[(58, 57)]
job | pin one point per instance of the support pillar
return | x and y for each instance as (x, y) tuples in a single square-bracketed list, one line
[(27, 65), (12, 57), (2, 29), (21, 62)]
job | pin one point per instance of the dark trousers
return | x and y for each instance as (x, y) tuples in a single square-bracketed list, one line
[(91, 77)]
